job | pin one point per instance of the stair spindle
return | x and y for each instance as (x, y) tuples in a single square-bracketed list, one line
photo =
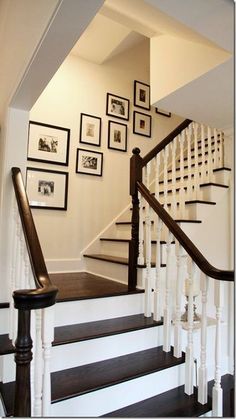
[(12, 311), (181, 261), (203, 166), (167, 309), (181, 191), (196, 163), (189, 364), (216, 152), (217, 394), (47, 339), (141, 232), (174, 199), (148, 285), (189, 162), (38, 364), (166, 154), (209, 158), (158, 306), (202, 371), (221, 150)]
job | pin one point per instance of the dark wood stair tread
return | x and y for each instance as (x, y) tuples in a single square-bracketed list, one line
[(84, 379), (117, 259), (128, 222), (188, 221), (172, 403), (83, 285), (222, 168), (199, 201), (220, 185), (110, 239), (102, 328)]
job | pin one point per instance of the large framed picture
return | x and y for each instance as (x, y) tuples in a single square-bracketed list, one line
[(48, 143), (142, 124), (47, 189), (117, 106), (117, 136), (89, 162), (90, 129), (141, 95)]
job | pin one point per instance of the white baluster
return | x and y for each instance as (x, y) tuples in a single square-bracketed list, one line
[(32, 364), (158, 305), (216, 152), (203, 167), (13, 274), (166, 154), (181, 191), (167, 309), (47, 338), (202, 371), (189, 363), (157, 176), (189, 162), (148, 286), (217, 394), (196, 173), (141, 232), (181, 261), (221, 151), (38, 364), (209, 159), (173, 164)]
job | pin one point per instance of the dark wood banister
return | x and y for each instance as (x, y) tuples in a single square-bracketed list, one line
[(149, 156), (183, 239), (25, 300)]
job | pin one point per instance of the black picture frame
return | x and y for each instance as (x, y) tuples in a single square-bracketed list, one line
[(47, 189), (163, 113), (89, 162), (142, 95), (142, 124), (90, 129), (48, 143), (117, 136), (117, 106)]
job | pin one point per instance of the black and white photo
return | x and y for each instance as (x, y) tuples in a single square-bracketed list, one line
[(142, 124), (90, 129), (48, 143), (141, 95), (89, 162), (117, 106), (117, 136)]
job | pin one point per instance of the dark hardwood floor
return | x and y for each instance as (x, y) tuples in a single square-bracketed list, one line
[(82, 285)]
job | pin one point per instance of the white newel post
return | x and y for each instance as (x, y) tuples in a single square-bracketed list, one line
[(217, 393), (47, 339), (202, 371), (167, 309), (181, 261), (189, 362), (141, 231), (148, 286), (158, 305)]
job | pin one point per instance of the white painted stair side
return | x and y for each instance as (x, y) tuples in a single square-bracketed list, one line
[(4, 321), (115, 397)]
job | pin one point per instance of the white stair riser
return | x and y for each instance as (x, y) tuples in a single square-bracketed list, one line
[(212, 193), (120, 249), (107, 269), (115, 397), (4, 321), (222, 176), (74, 312), (197, 211), (89, 351)]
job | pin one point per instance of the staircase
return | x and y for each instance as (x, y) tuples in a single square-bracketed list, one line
[(107, 358)]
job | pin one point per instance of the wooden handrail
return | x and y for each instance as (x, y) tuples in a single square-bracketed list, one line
[(183, 239), (45, 293), (149, 156)]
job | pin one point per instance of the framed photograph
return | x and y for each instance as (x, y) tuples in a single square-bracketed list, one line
[(142, 124), (47, 189), (90, 129), (89, 162), (164, 113), (117, 106), (142, 95), (48, 143), (117, 136)]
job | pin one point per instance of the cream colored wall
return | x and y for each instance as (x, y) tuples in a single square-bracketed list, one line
[(80, 86)]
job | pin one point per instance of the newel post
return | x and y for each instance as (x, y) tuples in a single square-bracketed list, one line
[(23, 357), (135, 175)]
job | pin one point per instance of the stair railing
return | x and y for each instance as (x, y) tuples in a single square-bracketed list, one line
[(31, 311), (184, 262)]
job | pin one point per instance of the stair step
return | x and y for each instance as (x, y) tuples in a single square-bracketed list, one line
[(119, 223), (200, 164), (102, 328), (220, 185), (199, 201), (222, 168), (110, 239), (116, 259), (172, 403)]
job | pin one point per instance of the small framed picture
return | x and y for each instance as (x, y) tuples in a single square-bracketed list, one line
[(117, 136), (48, 143), (163, 113), (117, 106), (90, 129), (142, 124), (89, 162), (47, 189), (141, 95)]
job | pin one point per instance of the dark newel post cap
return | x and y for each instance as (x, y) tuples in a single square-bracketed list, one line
[(136, 150)]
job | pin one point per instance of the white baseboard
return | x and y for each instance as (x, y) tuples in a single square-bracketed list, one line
[(64, 265)]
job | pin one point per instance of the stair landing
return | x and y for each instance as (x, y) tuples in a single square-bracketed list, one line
[(83, 285)]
